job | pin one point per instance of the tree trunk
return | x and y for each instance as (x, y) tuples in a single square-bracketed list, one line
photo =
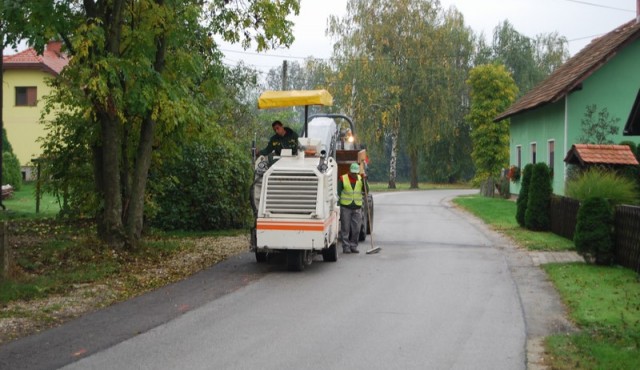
[(488, 187), (1, 112), (393, 160), (413, 156), (107, 158), (125, 172), (108, 171), (135, 214)]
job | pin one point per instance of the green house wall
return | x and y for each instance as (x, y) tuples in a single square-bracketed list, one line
[(614, 86)]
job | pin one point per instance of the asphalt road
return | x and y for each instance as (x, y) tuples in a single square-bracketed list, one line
[(444, 293)]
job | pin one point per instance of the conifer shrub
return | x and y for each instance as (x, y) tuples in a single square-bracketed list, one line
[(6, 145), (11, 173), (593, 236), (523, 196), (536, 215)]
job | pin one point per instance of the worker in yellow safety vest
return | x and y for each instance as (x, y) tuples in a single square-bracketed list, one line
[(351, 188)]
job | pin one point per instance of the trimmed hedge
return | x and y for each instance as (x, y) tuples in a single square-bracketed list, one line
[(207, 189), (11, 173), (6, 145), (523, 197), (536, 216), (594, 231)]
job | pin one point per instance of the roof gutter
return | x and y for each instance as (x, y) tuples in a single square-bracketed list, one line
[(31, 66)]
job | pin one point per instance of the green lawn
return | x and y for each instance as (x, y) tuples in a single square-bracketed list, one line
[(500, 214), (23, 204), (603, 301)]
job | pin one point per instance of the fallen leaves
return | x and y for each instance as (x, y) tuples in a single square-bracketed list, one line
[(138, 274)]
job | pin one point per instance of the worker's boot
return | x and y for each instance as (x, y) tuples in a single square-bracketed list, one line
[(355, 250)]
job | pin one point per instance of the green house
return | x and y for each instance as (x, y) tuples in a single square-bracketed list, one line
[(547, 121)]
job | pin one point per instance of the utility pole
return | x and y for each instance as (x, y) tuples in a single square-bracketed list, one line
[(284, 75)]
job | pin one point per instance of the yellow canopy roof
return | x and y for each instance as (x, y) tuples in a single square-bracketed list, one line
[(280, 99)]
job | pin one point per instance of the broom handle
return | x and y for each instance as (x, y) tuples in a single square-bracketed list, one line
[(366, 200)]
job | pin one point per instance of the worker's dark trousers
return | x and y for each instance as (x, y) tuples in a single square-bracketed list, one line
[(350, 222)]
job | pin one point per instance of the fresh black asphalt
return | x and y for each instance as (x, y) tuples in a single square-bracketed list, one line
[(93, 332)]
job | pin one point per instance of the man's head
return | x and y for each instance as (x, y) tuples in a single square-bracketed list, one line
[(355, 168), (278, 128)]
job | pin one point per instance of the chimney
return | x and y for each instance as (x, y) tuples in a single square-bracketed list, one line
[(56, 46)]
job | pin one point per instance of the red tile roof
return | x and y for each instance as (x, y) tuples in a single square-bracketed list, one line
[(51, 60), (570, 75), (600, 154)]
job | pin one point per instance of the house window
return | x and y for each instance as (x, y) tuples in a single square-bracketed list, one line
[(552, 151), (633, 123), (533, 153), (26, 96), (519, 156)]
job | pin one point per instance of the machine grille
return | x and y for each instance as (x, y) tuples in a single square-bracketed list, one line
[(292, 192)]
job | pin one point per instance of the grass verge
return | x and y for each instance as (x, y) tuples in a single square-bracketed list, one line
[(605, 303), (500, 214)]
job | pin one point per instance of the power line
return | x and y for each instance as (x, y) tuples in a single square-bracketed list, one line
[(586, 37), (263, 54), (600, 5)]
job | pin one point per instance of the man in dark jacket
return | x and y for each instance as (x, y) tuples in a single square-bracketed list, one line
[(284, 138)]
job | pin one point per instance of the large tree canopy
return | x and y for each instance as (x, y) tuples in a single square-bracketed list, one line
[(529, 60), (402, 66), (142, 72)]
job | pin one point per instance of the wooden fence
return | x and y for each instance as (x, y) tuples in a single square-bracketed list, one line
[(563, 215), (627, 234)]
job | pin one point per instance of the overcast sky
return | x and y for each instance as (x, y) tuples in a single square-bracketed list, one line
[(578, 21)]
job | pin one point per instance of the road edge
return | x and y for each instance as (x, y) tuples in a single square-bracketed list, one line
[(544, 312), (101, 329)]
